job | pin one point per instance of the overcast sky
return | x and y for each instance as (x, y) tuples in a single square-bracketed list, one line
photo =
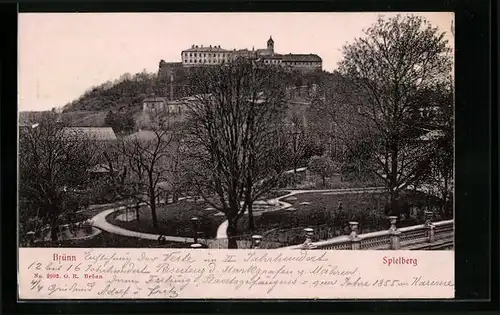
[(62, 55)]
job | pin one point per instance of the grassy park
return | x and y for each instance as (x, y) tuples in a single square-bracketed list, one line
[(310, 209)]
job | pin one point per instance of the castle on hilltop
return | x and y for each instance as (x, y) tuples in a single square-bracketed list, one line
[(200, 56), (172, 73), (214, 55)]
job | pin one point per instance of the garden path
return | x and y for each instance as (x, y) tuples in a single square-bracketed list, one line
[(221, 230), (100, 222)]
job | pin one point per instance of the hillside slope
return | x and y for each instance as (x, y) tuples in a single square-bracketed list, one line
[(126, 93)]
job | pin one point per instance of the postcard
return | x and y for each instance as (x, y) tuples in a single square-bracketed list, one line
[(236, 156)]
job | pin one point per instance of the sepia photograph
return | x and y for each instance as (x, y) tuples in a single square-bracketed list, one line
[(305, 131)]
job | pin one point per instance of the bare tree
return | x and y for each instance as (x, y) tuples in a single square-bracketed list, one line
[(441, 139), (148, 154), (323, 166), (234, 136), (53, 162), (299, 143), (386, 71)]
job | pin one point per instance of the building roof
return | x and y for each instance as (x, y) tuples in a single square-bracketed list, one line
[(206, 49), (302, 57), (142, 135), (274, 56), (99, 168), (432, 135), (155, 99), (30, 126), (170, 64), (97, 133)]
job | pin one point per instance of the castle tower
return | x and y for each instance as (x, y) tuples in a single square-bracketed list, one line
[(270, 44)]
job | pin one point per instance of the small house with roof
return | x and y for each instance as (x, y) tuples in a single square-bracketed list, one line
[(91, 133)]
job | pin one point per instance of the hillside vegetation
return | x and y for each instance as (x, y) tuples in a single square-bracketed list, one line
[(126, 94)]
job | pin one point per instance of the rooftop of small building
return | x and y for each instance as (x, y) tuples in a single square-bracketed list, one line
[(96, 133), (302, 57), (155, 99)]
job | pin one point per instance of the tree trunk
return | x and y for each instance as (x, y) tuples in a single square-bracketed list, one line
[(445, 195), (393, 179), (152, 201), (324, 181), (54, 229), (232, 231), (249, 202), (251, 224), (393, 202), (137, 211), (294, 176)]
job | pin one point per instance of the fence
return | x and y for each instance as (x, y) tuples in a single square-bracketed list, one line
[(430, 235), (245, 242)]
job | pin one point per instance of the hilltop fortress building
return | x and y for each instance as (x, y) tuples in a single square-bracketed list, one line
[(214, 55), (200, 56), (172, 73)]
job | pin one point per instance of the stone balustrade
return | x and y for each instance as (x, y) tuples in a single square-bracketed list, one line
[(424, 236)]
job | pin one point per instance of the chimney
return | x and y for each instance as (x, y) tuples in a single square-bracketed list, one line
[(210, 46)]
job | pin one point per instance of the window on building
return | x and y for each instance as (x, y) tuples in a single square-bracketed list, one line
[(185, 60), (195, 54), (190, 54), (195, 61)]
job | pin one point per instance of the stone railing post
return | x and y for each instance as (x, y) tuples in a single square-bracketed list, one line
[(431, 232), (395, 234), (355, 240), (431, 228), (161, 240), (256, 241), (309, 238), (194, 222), (428, 217)]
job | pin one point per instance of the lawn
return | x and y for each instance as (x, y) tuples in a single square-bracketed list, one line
[(173, 219), (318, 210), (314, 209)]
